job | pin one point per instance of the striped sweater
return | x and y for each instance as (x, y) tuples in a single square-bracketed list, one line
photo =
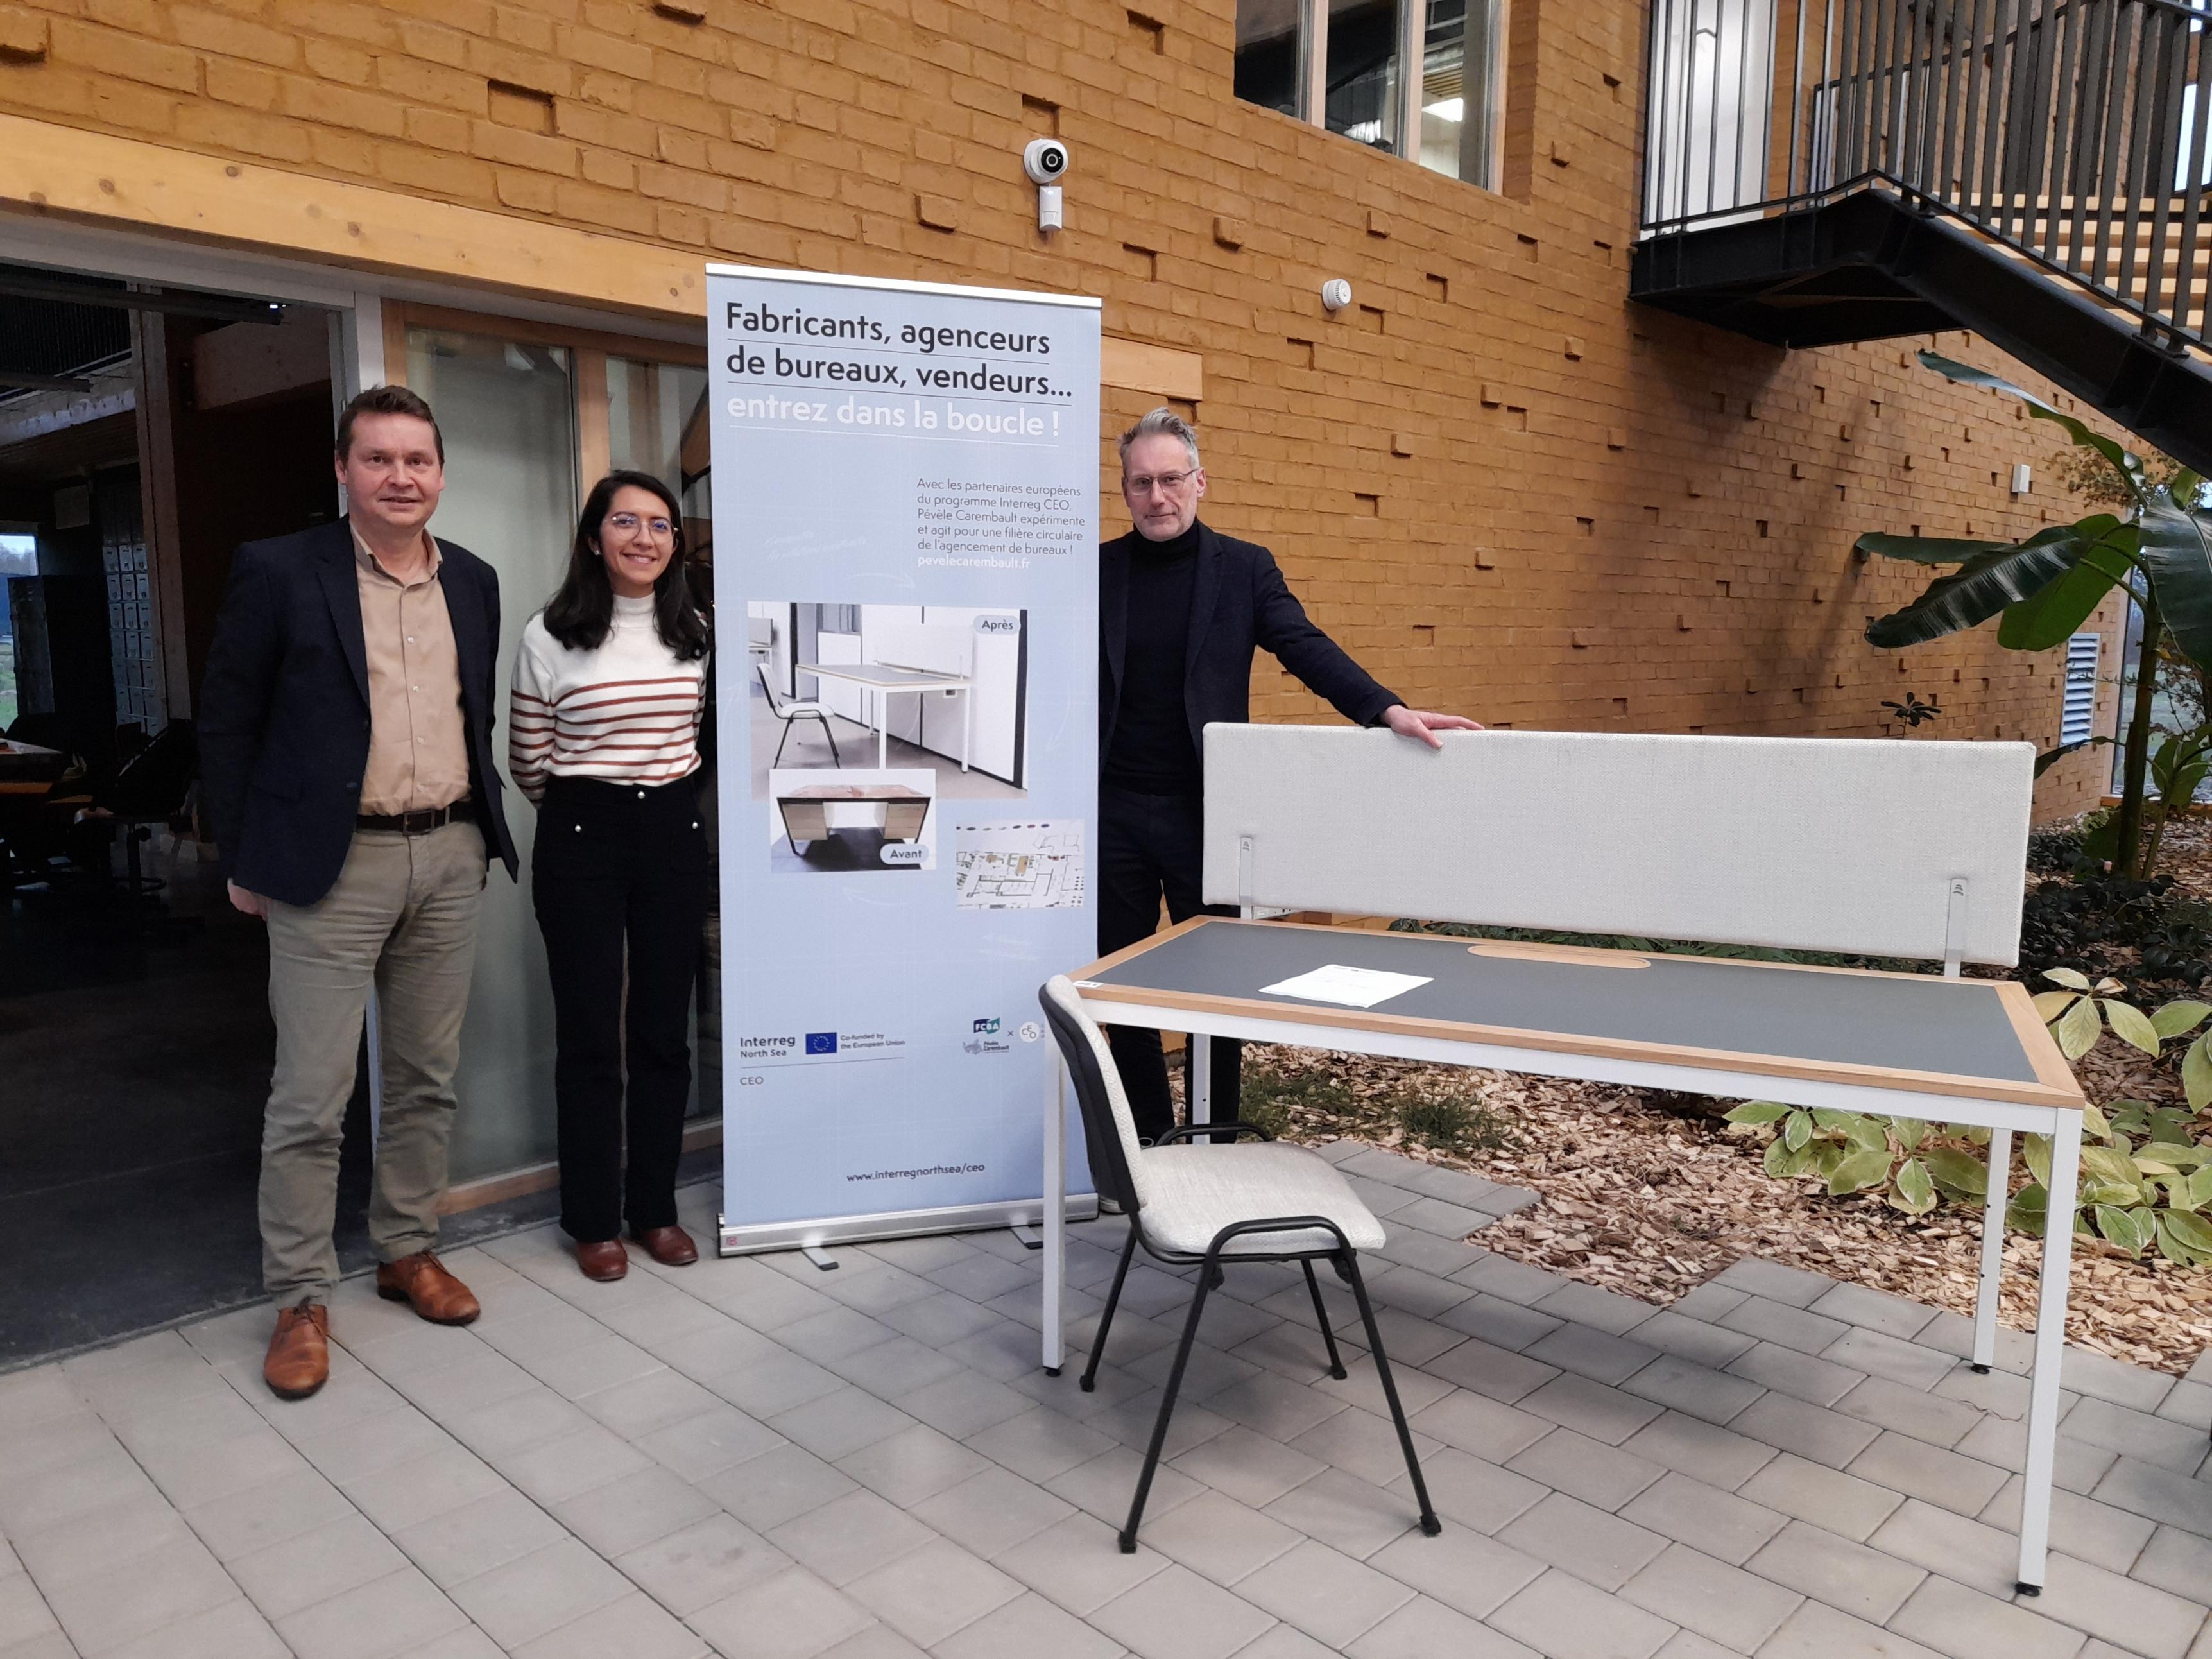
[(628, 711)]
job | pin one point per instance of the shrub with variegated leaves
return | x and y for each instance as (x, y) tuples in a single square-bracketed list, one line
[(2145, 1176)]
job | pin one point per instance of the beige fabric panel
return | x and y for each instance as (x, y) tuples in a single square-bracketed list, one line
[(1801, 843)]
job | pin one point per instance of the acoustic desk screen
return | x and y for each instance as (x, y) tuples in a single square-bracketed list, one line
[(1947, 1027), (1850, 845)]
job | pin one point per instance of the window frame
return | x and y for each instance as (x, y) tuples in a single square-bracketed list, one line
[(1312, 99)]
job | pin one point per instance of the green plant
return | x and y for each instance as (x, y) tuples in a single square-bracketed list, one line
[(1450, 1123), (2043, 588), (2143, 1177)]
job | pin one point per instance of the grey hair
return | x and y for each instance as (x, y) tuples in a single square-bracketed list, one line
[(1163, 422)]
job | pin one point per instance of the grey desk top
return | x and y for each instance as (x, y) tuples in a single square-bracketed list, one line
[(1953, 1028), (883, 675)]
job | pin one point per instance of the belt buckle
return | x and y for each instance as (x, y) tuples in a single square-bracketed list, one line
[(419, 823)]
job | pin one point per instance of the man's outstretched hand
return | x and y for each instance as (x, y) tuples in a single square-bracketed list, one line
[(1422, 726)]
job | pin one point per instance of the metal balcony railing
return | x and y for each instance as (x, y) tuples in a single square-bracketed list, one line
[(2073, 134)]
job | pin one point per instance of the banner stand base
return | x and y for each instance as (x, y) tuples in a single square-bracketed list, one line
[(752, 1238)]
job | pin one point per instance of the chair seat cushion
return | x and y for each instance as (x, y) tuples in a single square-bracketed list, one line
[(1191, 1192)]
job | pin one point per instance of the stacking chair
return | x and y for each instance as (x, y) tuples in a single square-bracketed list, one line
[(1208, 1205), (788, 712)]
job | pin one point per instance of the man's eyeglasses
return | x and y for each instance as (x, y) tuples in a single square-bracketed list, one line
[(1170, 482), (628, 522)]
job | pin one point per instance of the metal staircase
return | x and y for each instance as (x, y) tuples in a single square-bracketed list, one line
[(1824, 170)]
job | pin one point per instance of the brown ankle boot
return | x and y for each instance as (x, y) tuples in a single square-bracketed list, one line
[(421, 1282), (299, 1361)]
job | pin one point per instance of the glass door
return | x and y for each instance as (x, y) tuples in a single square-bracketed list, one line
[(532, 415)]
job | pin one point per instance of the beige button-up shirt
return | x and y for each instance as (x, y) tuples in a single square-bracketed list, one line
[(418, 751)]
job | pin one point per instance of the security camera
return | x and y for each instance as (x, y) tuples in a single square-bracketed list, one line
[(1044, 160)]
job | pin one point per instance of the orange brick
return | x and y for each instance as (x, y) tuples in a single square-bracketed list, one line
[(233, 37)]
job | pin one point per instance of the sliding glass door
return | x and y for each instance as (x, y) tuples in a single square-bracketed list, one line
[(531, 417)]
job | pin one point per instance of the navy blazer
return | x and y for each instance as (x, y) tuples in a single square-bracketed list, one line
[(283, 708), (1239, 603)]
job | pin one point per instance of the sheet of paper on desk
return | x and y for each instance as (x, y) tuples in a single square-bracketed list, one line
[(1355, 988)]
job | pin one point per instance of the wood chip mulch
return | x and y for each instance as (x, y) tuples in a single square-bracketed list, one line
[(1650, 1194)]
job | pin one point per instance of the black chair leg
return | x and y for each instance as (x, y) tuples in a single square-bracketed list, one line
[(778, 760), (1320, 1316), (1090, 1381), (835, 758), (1207, 1275), (1430, 1525)]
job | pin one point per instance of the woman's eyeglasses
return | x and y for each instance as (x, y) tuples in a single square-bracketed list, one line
[(628, 522)]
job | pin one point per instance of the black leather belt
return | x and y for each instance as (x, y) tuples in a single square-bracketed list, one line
[(418, 823)]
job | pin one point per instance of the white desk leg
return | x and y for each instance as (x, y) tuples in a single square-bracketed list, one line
[(2049, 1346), (1993, 1230), (1055, 1212), (968, 727), (1202, 1077), (883, 706)]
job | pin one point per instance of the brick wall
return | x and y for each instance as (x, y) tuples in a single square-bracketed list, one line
[(1505, 489)]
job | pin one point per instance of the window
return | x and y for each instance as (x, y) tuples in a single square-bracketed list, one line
[(1343, 64), (2077, 713)]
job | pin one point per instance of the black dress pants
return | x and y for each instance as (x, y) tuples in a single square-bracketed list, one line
[(619, 879), (1151, 846)]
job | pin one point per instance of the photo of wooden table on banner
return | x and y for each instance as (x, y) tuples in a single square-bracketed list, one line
[(1784, 843)]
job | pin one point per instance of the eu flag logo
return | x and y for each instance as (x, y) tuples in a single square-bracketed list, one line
[(821, 1042)]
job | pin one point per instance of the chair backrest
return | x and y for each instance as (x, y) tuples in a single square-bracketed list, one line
[(153, 783), (1853, 845), (1109, 1132), (775, 705)]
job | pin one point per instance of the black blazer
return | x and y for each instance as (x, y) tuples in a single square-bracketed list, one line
[(1239, 602), (283, 708)]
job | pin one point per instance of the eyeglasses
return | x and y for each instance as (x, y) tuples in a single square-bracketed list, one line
[(1169, 482), (628, 522)]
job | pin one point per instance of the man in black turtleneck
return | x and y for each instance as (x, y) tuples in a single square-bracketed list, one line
[(1181, 610)]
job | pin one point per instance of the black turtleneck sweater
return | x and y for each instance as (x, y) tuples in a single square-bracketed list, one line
[(1151, 752)]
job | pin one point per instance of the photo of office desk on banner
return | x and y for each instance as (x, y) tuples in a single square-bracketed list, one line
[(1786, 843), (819, 822)]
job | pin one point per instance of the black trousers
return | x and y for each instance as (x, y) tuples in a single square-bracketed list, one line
[(619, 878), (1151, 846)]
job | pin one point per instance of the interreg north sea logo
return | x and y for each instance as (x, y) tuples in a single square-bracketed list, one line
[(985, 1027), (821, 1042)]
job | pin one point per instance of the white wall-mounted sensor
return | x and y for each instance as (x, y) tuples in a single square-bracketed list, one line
[(1045, 160), (2021, 477), (1335, 294)]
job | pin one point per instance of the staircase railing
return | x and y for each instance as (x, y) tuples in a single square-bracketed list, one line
[(2077, 133)]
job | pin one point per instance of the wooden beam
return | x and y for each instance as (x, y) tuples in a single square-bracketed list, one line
[(98, 178), (1163, 371)]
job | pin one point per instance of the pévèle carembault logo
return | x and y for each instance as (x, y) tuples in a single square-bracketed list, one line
[(821, 1042), (985, 1027)]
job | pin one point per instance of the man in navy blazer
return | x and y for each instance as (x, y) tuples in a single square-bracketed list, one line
[(1181, 610), (345, 750)]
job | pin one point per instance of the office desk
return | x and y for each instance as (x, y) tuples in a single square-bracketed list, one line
[(1908, 1045), (806, 812), (880, 681)]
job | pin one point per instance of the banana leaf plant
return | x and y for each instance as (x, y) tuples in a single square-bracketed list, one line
[(2043, 588)]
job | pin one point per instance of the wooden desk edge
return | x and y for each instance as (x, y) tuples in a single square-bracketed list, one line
[(2055, 1084)]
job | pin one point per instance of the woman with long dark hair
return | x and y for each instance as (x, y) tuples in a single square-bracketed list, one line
[(608, 693)]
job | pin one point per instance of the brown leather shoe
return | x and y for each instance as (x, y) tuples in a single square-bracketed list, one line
[(299, 1361), (604, 1260), (670, 1246), (434, 1293)]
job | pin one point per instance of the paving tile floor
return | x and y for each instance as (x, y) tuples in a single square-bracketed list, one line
[(755, 1459)]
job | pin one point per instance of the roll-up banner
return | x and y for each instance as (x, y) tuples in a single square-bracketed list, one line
[(906, 542)]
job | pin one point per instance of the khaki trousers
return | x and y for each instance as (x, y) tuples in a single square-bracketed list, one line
[(402, 917)]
